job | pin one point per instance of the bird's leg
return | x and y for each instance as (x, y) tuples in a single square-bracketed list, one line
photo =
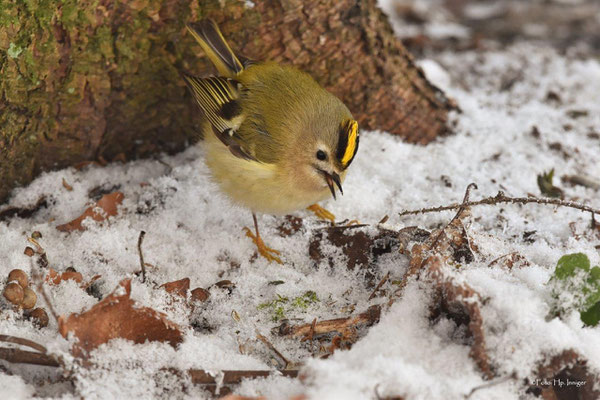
[(322, 213), (260, 245)]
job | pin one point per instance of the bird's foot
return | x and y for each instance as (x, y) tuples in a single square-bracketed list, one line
[(322, 213), (262, 247)]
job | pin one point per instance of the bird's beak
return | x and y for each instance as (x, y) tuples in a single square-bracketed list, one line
[(332, 178)]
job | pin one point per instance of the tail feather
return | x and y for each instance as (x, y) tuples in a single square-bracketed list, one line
[(208, 35)]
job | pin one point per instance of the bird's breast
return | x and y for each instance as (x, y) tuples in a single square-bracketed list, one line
[(264, 188)]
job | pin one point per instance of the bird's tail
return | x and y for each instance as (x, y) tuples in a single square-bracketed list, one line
[(207, 33)]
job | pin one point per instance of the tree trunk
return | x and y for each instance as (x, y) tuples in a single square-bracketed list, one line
[(99, 79)]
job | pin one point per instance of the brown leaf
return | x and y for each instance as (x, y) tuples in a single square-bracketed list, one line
[(56, 278), (200, 294), (179, 288), (108, 203), (117, 316), (66, 185)]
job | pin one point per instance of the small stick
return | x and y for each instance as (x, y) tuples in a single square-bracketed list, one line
[(458, 215), (489, 384), (494, 261), (18, 356), (379, 285), (40, 287), (140, 240), (311, 335), (368, 317), (464, 205), (263, 339), (23, 342), (343, 227), (502, 198)]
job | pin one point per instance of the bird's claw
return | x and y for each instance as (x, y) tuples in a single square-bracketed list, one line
[(322, 213), (262, 247)]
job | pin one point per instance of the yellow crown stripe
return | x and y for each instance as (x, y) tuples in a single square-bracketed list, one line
[(352, 137)]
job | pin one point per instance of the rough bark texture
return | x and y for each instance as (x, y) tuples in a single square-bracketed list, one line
[(99, 79)]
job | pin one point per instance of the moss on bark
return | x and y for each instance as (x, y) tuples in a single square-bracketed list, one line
[(89, 79)]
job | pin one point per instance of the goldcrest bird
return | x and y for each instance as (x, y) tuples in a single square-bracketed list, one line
[(275, 140)]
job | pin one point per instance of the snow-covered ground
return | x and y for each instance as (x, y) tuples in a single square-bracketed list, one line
[(194, 231)]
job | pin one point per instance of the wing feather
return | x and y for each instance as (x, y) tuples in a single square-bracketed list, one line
[(217, 98)]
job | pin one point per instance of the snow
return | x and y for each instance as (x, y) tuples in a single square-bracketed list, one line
[(194, 231)]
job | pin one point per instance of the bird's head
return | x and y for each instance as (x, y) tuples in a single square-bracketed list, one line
[(327, 153)]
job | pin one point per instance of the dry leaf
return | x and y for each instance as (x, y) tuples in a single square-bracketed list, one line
[(179, 288), (200, 294), (66, 185), (56, 278), (108, 203), (117, 316)]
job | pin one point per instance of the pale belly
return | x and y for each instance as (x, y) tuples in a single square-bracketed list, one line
[(259, 187)]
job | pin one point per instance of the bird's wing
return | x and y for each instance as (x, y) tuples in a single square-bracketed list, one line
[(218, 99), (208, 35)]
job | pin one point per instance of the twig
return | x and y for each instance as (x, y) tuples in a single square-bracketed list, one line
[(140, 240), (37, 277), (379, 285), (513, 254), (463, 205), (459, 214), (263, 339), (368, 317), (18, 356), (23, 342), (202, 377), (489, 384), (502, 198), (343, 227), (311, 336)]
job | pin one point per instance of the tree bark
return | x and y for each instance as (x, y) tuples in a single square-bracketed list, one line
[(99, 79)]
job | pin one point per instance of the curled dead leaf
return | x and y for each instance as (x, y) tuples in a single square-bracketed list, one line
[(200, 294), (66, 185), (108, 204), (55, 278), (117, 316), (178, 288)]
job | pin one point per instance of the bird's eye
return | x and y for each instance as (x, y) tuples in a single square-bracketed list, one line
[(321, 155)]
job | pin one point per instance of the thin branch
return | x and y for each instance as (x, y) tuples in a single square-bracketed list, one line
[(341, 325), (490, 384), (379, 285), (463, 205), (18, 356), (140, 240), (263, 339), (37, 277), (502, 198), (23, 342)]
